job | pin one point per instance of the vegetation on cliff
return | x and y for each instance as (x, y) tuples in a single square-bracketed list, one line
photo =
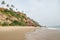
[(9, 17)]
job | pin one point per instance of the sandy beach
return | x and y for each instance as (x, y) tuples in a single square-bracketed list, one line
[(14, 33), (18, 33)]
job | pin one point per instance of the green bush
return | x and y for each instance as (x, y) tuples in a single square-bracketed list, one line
[(0, 24), (5, 24), (17, 23)]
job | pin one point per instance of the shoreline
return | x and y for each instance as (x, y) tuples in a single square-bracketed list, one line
[(18, 33)]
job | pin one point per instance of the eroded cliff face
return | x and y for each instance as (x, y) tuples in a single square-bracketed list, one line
[(8, 17)]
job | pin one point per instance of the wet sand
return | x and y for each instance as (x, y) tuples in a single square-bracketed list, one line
[(44, 34)]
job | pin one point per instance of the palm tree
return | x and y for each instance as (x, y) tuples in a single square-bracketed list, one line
[(13, 6), (16, 9), (3, 3), (7, 5)]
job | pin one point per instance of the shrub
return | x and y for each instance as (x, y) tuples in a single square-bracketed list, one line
[(17, 23), (5, 24)]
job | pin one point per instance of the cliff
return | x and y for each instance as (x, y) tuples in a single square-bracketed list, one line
[(8, 17)]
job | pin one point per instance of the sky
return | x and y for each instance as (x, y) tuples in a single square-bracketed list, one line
[(45, 12)]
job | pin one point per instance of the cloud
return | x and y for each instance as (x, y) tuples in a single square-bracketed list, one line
[(46, 12)]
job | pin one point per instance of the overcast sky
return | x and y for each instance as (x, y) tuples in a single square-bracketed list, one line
[(45, 12)]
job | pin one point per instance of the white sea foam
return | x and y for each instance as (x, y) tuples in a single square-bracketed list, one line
[(50, 28)]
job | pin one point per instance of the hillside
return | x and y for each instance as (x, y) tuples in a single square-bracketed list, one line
[(8, 17)]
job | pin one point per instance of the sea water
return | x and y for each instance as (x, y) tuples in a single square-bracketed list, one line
[(53, 27)]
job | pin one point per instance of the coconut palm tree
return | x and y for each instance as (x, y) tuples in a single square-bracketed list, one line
[(16, 9), (13, 6), (7, 5), (3, 3)]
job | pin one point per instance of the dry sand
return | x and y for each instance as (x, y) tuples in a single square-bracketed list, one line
[(14, 33)]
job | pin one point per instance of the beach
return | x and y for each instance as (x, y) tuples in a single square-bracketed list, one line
[(14, 33), (44, 34), (18, 33)]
